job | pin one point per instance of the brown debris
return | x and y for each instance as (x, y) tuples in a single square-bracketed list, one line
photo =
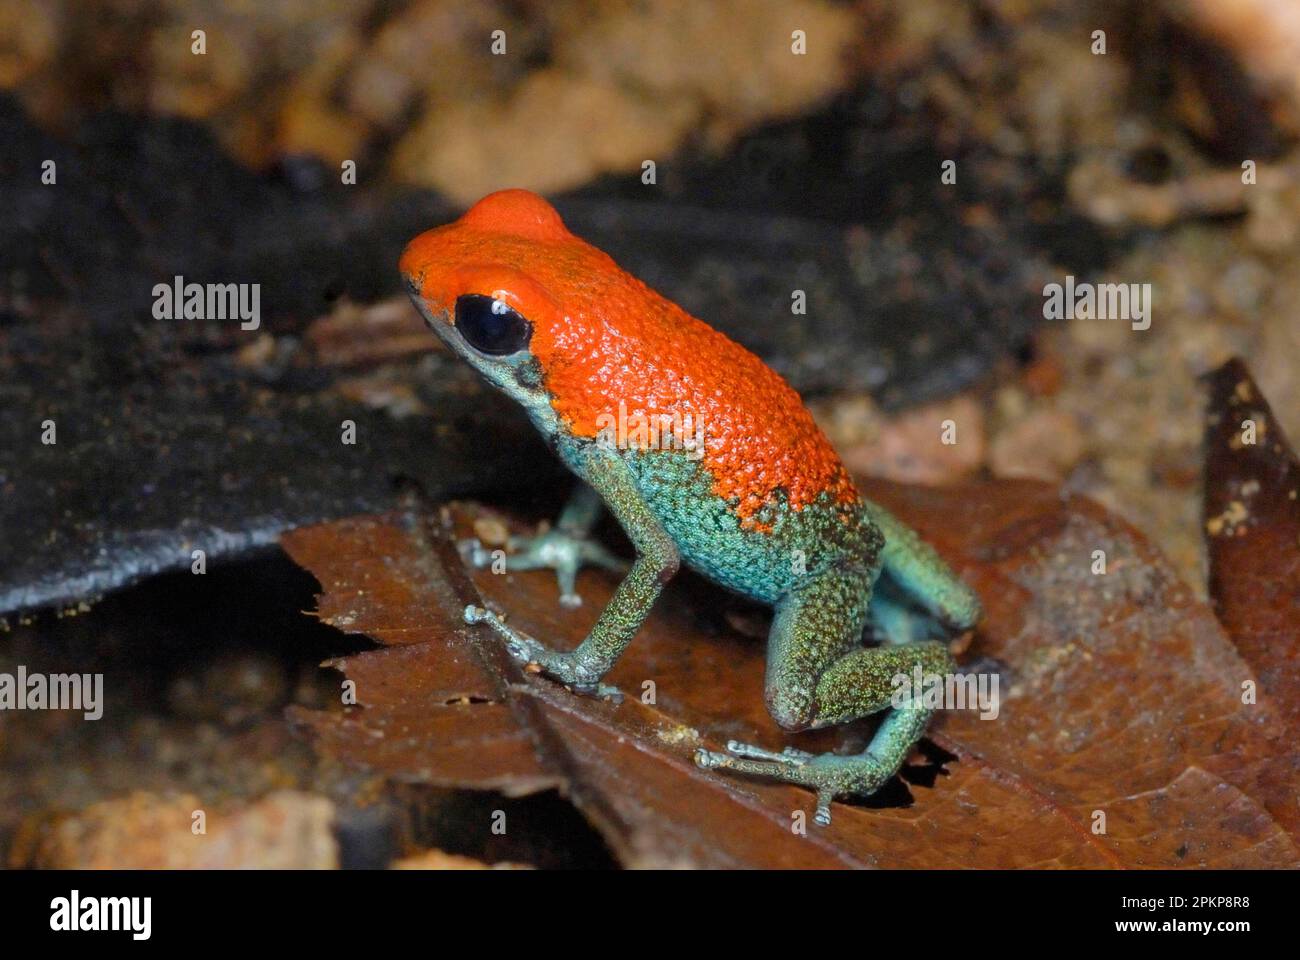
[(1264, 37), (1045, 444), (145, 831), (438, 860), (909, 447)]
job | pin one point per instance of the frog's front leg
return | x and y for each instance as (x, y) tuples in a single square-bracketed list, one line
[(566, 548), (818, 674), (656, 563)]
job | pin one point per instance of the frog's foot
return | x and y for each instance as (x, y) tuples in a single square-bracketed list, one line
[(564, 552), (829, 774), (567, 668), (788, 755)]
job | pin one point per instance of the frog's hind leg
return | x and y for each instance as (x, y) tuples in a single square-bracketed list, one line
[(819, 674), (918, 597)]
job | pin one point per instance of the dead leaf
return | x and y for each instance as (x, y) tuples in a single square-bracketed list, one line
[(1120, 696), (1252, 533), (436, 708)]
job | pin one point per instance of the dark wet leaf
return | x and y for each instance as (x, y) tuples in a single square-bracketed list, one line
[(201, 454), (183, 434)]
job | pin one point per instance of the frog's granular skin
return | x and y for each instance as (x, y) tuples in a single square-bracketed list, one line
[(609, 345)]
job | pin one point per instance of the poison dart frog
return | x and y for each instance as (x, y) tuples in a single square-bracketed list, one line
[(740, 485)]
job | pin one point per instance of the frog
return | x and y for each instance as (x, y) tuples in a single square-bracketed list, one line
[(739, 484)]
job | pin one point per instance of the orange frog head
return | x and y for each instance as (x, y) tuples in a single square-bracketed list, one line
[(557, 325), (480, 284)]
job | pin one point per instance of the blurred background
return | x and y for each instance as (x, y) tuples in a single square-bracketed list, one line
[(1101, 140)]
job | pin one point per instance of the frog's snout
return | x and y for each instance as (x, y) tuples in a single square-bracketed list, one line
[(412, 265), (417, 298), (413, 283), (423, 307)]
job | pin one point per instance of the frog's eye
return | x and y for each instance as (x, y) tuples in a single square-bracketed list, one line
[(491, 326)]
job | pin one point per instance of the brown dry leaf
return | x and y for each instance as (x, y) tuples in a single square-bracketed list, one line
[(1121, 738), (1252, 532), (435, 708)]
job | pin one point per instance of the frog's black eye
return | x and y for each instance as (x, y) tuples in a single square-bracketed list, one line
[(491, 326)]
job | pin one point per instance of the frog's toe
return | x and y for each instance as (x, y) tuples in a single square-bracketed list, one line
[(565, 553), (788, 755), (473, 552), (567, 575), (521, 646), (829, 775), (823, 812), (780, 768), (567, 667), (580, 553)]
